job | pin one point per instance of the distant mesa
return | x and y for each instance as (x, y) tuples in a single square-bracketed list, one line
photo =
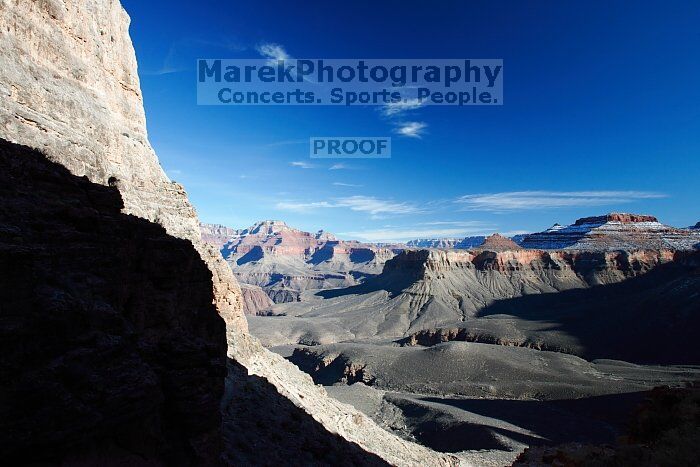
[(268, 227), (279, 262), (448, 243), (622, 218), (614, 231), (498, 242)]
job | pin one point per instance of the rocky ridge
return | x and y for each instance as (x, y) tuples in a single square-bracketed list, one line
[(615, 231), (447, 243), (421, 290), (285, 261), (216, 234)]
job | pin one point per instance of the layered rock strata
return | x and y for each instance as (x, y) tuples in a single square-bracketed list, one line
[(615, 231), (285, 261), (70, 87)]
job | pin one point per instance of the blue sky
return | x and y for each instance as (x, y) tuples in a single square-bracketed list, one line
[(601, 113)]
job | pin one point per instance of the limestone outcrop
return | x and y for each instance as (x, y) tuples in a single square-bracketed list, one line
[(70, 87)]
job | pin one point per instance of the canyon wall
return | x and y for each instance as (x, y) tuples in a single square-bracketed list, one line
[(558, 269), (614, 231), (70, 88)]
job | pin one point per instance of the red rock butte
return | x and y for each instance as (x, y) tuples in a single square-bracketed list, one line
[(622, 217), (498, 242)]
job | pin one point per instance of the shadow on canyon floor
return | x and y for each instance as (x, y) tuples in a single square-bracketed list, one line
[(651, 319), (263, 428), (597, 419), (393, 284)]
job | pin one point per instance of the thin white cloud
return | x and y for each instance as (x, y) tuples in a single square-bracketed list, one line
[(272, 51), (302, 207), (393, 109), (351, 185), (302, 165), (530, 200), (402, 235), (339, 166), (411, 129), (376, 206), (456, 223), (367, 204)]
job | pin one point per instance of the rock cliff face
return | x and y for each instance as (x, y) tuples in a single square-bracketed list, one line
[(112, 358), (421, 290), (69, 86), (557, 269), (111, 349), (216, 234), (255, 300), (447, 243), (614, 231)]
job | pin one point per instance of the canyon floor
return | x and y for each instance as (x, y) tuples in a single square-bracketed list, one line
[(484, 402), (482, 354)]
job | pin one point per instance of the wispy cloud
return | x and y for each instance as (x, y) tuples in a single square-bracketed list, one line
[(275, 52), (397, 108), (530, 200), (411, 129), (376, 207), (302, 165), (339, 166), (272, 51), (302, 207), (351, 185), (405, 234), (456, 223)]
